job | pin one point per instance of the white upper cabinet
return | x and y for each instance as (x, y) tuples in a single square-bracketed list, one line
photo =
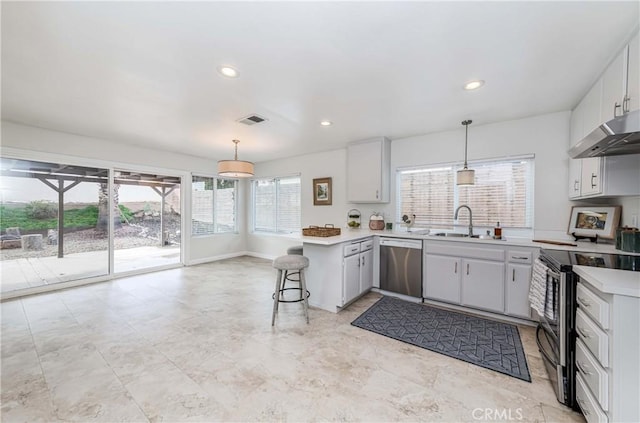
[(368, 164), (615, 93), (633, 75), (613, 88)]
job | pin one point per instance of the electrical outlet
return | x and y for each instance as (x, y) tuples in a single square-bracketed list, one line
[(634, 220)]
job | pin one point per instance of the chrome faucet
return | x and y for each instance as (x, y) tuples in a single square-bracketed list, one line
[(455, 217)]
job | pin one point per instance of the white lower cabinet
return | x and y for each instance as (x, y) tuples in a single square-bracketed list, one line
[(607, 351), (488, 277), (483, 284), (517, 290), (357, 270), (441, 279)]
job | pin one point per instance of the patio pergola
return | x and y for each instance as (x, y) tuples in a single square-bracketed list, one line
[(61, 178)]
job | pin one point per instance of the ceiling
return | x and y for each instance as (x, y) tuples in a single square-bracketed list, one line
[(144, 73)]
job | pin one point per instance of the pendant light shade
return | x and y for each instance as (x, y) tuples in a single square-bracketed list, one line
[(466, 176), (235, 168)]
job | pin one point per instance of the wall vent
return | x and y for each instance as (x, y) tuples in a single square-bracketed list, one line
[(252, 119)]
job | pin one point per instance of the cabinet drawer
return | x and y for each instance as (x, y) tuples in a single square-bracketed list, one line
[(351, 249), (588, 403), (593, 305), (595, 377), (366, 245), (593, 337), (457, 249), (515, 256)]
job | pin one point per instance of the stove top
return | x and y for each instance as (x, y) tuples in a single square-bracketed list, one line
[(563, 260)]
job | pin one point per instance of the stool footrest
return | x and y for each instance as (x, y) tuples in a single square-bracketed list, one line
[(273, 296)]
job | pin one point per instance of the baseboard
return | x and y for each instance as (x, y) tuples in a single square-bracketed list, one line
[(217, 258), (260, 255)]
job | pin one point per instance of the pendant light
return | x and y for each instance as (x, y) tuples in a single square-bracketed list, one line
[(466, 176), (235, 168)]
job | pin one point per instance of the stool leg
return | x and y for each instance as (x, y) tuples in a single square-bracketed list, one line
[(276, 297), (284, 283), (305, 302)]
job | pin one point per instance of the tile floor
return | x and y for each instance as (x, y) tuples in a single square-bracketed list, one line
[(195, 344)]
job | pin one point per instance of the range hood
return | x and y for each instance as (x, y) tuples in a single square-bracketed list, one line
[(614, 138)]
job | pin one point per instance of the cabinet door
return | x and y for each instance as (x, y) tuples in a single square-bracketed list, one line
[(613, 88), (591, 181), (442, 278), (366, 271), (518, 279), (364, 172), (483, 284), (591, 108), (577, 132), (351, 278), (575, 177), (633, 74)]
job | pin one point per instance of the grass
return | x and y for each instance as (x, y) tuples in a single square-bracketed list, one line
[(86, 217)]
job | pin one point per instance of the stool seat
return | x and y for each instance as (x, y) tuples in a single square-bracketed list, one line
[(291, 262), (295, 250)]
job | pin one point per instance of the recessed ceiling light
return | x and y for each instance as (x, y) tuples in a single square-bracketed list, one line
[(473, 85), (228, 71), (326, 123)]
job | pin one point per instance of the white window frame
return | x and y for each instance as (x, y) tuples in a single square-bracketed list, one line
[(456, 200), (213, 206), (253, 205)]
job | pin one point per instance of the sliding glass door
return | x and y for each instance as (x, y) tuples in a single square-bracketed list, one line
[(148, 233), (50, 224), (59, 222)]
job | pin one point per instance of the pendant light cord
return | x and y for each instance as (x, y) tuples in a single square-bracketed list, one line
[(236, 154), (466, 124)]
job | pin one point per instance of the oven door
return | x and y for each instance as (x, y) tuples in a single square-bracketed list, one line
[(549, 350), (554, 320)]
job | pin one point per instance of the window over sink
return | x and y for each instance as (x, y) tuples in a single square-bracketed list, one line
[(503, 192)]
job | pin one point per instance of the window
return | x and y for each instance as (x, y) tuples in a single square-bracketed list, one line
[(503, 192), (276, 204), (213, 205)]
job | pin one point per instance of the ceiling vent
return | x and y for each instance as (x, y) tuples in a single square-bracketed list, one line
[(252, 119)]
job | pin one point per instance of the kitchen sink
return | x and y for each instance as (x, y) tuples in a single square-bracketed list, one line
[(455, 235)]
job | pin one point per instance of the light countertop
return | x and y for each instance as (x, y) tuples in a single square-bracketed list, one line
[(611, 281), (350, 235)]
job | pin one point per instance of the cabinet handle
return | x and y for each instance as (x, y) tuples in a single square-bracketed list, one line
[(582, 332), (576, 185), (455, 269), (513, 275), (363, 260), (616, 106), (519, 258), (584, 302), (377, 194), (593, 176), (467, 268), (582, 406), (581, 367)]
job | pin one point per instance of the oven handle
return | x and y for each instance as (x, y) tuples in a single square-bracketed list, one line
[(553, 274), (542, 350)]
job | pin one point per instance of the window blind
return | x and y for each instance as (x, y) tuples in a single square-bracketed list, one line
[(276, 205), (503, 192), (213, 205)]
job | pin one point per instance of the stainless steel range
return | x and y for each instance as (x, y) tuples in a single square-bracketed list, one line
[(555, 334)]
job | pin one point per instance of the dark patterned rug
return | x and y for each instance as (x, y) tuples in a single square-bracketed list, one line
[(487, 343)]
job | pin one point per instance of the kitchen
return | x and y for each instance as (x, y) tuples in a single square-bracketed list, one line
[(545, 134)]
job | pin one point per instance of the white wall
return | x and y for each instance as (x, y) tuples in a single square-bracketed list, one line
[(545, 136), (311, 166), (29, 142)]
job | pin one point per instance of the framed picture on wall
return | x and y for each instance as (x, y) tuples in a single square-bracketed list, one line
[(591, 221), (322, 192)]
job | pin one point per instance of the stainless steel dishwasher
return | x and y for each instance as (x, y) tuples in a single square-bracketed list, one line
[(401, 266)]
